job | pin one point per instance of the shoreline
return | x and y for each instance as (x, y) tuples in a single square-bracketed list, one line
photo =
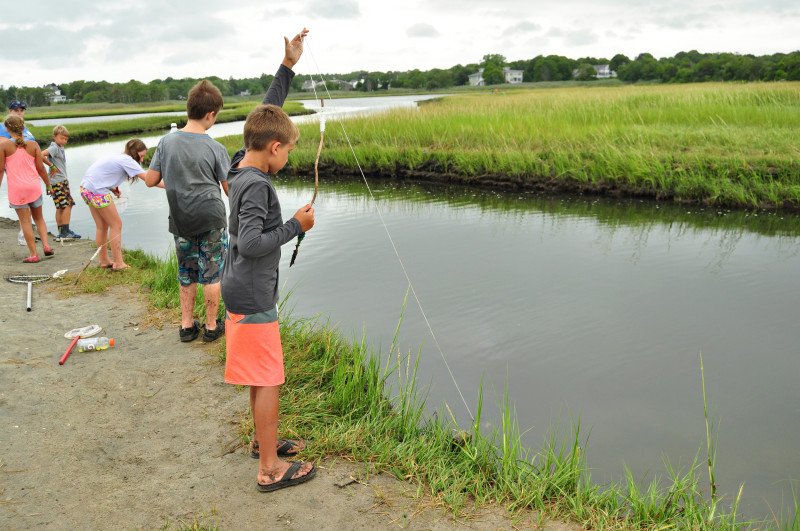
[(144, 434)]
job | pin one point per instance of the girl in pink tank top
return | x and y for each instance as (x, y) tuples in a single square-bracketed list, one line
[(22, 162)]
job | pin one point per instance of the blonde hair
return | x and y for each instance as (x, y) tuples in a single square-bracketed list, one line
[(268, 123), (16, 126), (60, 130)]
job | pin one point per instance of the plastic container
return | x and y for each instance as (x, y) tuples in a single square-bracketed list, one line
[(90, 344), (21, 237)]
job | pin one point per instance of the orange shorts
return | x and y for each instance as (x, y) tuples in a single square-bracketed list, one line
[(254, 352)]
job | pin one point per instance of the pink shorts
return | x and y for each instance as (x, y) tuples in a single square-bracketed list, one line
[(254, 353), (96, 200)]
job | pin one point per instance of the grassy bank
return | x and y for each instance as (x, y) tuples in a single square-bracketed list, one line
[(351, 403), (77, 110), (711, 143), (89, 131)]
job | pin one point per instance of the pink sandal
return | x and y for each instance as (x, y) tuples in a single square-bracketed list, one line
[(48, 251), (31, 260)]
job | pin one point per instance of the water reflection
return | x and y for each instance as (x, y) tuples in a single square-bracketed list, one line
[(587, 306), (584, 306)]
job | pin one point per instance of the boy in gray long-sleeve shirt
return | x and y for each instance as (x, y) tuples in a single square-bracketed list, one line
[(254, 355)]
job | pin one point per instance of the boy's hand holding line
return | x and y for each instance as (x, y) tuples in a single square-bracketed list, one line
[(293, 49), (306, 217)]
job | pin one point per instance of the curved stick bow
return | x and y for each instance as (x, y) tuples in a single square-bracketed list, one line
[(316, 178)]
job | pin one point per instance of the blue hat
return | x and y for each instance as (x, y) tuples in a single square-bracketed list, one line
[(16, 104)]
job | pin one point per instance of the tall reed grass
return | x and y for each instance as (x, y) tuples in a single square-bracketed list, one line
[(723, 144)]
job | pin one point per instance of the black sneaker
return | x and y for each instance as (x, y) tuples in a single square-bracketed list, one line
[(190, 334), (213, 335)]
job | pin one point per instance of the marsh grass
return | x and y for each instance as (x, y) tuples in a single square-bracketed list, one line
[(725, 144), (88, 131), (353, 403)]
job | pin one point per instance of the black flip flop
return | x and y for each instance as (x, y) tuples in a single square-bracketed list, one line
[(283, 449), (286, 480)]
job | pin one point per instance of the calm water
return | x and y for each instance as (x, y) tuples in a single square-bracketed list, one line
[(598, 309)]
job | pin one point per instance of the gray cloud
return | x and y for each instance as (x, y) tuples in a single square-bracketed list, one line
[(44, 45), (524, 27), (580, 38), (422, 30), (334, 9)]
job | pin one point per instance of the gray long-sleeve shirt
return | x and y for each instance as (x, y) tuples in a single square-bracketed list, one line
[(256, 228)]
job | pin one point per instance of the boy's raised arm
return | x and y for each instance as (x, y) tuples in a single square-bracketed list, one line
[(279, 88)]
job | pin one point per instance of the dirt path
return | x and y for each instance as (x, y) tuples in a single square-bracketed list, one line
[(134, 437)]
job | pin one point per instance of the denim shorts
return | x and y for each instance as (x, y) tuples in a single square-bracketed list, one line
[(34, 204)]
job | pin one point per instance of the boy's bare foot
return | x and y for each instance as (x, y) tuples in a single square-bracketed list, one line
[(120, 267), (285, 475)]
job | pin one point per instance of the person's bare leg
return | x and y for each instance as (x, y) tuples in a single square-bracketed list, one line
[(114, 222), (24, 215), (265, 415), (299, 447), (211, 293), (41, 226), (187, 296), (100, 236), (253, 412)]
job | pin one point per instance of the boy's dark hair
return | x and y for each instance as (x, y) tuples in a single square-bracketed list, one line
[(16, 126), (203, 99), (268, 123)]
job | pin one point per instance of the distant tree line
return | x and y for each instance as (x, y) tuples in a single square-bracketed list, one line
[(684, 67)]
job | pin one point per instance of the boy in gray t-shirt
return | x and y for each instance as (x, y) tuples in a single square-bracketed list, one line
[(193, 166), (55, 157)]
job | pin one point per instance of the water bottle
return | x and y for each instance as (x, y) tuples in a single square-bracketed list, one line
[(91, 344)]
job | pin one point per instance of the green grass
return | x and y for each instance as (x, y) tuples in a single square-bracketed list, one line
[(88, 131), (358, 404), (727, 144), (100, 109)]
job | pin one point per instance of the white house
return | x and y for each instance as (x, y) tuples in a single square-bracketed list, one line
[(55, 93), (604, 71), (601, 72), (311, 84), (511, 76)]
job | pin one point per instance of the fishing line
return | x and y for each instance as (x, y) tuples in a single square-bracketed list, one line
[(386, 229)]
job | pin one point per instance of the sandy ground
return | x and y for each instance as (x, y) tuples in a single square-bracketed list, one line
[(135, 436)]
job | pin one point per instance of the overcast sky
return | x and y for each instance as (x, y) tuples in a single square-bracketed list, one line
[(149, 39)]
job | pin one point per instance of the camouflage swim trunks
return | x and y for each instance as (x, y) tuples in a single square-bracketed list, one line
[(201, 257)]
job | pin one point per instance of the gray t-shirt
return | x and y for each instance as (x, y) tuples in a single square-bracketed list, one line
[(192, 167), (257, 231), (58, 157)]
